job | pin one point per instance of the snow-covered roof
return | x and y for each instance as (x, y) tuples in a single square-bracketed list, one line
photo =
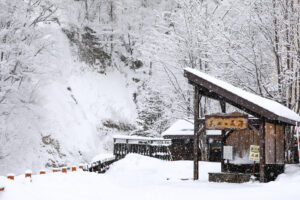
[(129, 137), (267, 108), (185, 127), (104, 157)]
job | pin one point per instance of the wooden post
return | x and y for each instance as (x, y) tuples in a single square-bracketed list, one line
[(223, 109), (253, 169), (196, 129), (262, 158)]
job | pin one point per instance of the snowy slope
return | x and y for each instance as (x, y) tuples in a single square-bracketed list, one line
[(137, 177), (58, 121), (61, 113)]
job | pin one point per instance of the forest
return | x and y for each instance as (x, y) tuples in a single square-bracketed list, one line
[(74, 72)]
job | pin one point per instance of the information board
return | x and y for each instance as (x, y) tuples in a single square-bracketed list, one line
[(254, 153), (228, 152)]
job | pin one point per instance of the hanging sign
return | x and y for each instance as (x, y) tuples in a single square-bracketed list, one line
[(254, 153), (232, 121), (228, 152)]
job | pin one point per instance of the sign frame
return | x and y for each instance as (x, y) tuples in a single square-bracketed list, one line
[(224, 121)]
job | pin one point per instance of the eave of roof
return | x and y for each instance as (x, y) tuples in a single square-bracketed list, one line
[(214, 91)]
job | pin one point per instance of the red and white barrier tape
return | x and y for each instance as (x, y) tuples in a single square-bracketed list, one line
[(170, 154)]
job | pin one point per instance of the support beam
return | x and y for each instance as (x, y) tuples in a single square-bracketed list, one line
[(196, 130), (223, 106), (196, 160), (262, 154), (223, 109)]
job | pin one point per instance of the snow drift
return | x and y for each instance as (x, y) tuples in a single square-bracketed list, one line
[(136, 177)]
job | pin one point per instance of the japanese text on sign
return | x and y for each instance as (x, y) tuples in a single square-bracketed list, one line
[(219, 123), (254, 153)]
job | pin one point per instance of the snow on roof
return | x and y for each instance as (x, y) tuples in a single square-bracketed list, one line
[(129, 137), (180, 127), (103, 157), (185, 127), (265, 103)]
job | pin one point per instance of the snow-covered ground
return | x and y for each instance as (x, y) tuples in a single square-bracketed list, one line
[(139, 177)]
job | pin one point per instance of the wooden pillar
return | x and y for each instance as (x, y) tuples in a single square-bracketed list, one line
[(223, 109), (262, 154), (196, 130)]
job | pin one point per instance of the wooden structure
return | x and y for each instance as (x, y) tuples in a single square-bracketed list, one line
[(268, 128), (101, 165), (182, 135), (153, 147)]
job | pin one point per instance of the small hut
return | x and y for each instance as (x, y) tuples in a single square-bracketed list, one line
[(182, 135), (266, 138)]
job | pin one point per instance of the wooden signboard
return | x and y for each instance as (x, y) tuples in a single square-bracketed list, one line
[(254, 153), (231, 121)]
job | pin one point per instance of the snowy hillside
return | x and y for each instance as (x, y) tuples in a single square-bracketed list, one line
[(59, 117)]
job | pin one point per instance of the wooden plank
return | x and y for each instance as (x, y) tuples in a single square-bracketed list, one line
[(279, 144), (241, 141), (270, 143)]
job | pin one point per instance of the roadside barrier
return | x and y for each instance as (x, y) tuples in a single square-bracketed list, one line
[(99, 166), (28, 174), (55, 170), (11, 176), (64, 170)]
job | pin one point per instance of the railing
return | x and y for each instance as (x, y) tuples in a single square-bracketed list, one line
[(102, 164), (153, 147)]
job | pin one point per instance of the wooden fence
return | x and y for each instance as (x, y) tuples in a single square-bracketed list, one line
[(153, 147), (101, 165)]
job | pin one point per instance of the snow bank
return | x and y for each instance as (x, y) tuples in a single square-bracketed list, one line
[(136, 177)]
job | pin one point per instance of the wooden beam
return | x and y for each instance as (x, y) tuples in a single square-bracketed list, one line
[(228, 133), (223, 109), (223, 106), (196, 129), (196, 160), (262, 154), (253, 128)]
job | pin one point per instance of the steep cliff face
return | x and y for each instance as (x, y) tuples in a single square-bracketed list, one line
[(61, 112), (79, 72)]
